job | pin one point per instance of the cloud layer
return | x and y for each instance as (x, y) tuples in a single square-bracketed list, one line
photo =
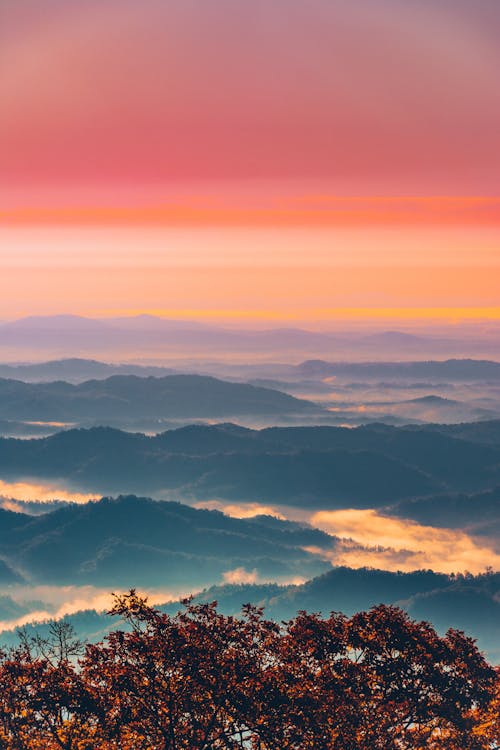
[(395, 544)]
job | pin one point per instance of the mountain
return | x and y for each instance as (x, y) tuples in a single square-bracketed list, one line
[(450, 370), (425, 409), (470, 603), (431, 400), (273, 375), (80, 324), (466, 606), (484, 432), (56, 323), (128, 396), (131, 541), (106, 460), (477, 513), (12, 610), (341, 589), (145, 332), (76, 370), (309, 467), (396, 338), (384, 392), (69, 334), (8, 576), (10, 428)]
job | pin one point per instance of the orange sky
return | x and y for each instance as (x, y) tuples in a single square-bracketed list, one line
[(385, 258), (256, 160)]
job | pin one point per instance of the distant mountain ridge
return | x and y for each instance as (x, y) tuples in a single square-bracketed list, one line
[(132, 541), (470, 603), (76, 370), (477, 513), (448, 369), (129, 396), (71, 334), (311, 467)]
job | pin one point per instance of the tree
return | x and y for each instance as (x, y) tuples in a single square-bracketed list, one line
[(202, 681)]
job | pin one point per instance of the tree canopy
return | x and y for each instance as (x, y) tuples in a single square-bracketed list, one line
[(201, 680)]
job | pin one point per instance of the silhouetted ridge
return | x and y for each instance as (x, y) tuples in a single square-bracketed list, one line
[(325, 467), (130, 396), (143, 542)]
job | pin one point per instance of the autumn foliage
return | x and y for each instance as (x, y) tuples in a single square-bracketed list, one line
[(204, 681)]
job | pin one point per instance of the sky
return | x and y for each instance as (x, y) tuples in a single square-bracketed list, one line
[(250, 160)]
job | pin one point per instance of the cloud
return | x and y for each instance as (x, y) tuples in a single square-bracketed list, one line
[(243, 576), (38, 492), (240, 575), (244, 510), (371, 539), (53, 602)]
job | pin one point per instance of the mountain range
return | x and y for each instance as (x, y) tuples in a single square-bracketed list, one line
[(448, 369), (477, 513), (131, 541), (125, 397), (309, 467), (276, 375), (77, 370), (469, 603), (149, 334)]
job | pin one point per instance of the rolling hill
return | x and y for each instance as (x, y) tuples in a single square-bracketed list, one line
[(310, 467), (128, 396), (469, 603), (131, 541)]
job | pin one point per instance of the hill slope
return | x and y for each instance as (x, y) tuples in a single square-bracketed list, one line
[(129, 396), (470, 603), (311, 467), (132, 541)]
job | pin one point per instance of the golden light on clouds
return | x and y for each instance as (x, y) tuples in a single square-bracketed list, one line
[(241, 510), (256, 257), (395, 544), (39, 492), (61, 601), (240, 576)]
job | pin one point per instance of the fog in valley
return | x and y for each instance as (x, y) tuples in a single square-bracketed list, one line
[(246, 474)]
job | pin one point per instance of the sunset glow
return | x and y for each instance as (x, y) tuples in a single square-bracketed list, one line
[(194, 188), (249, 374)]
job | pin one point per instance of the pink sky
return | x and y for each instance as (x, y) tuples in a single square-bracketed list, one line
[(239, 125), (400, 93)]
